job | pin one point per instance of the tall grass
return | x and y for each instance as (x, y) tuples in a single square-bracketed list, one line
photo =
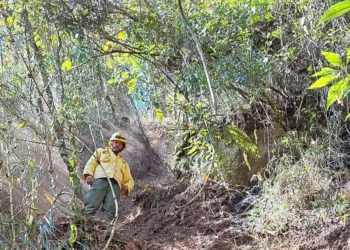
[(300, 196)]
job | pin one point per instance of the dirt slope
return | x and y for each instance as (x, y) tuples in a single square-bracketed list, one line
[(176, 217), (213, 217)]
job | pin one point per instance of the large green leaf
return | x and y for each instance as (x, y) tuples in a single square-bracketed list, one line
[(323, 81), (337, 91), (335, 11), (348, 56), (324, 71), (332, 58)]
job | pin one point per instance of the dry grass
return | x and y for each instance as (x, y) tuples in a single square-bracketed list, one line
[(299, 198)]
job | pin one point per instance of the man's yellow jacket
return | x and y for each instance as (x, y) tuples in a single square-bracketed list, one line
[(114, 166)]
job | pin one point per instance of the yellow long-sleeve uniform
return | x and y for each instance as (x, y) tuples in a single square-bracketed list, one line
[(114, 166)]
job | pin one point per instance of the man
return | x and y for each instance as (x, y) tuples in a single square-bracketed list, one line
[(107, 163)]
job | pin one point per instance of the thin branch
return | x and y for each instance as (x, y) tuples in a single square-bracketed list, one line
[(199, 49)]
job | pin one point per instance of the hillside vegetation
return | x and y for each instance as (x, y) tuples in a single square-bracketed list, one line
[(236, 115)]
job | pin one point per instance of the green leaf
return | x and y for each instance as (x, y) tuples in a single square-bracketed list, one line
[(73, 179), (324, 71), (9, 22), (332, 58), (347, 117), (323, 81), (234, 133), (112, 81), (337, 91), (348, 56), (159, 114), (125, 75), (109, 63), (38, 39), (245, 155), (122, 35), (131, 85), (309, 69), (73, 233), (207, 156), (199, 105), (31, 165), (54, 40), (268, 16), (180, 97), (108, 46), (331, 98), (192, 150), (231, 3), (72, 162), (335, 11), (67, 65), (22, 124)]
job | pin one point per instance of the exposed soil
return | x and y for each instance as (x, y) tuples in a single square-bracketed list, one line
[(176, 217), (166, 217), (210, 216), (207, 216)]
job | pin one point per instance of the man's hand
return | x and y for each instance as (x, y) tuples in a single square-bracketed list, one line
[(125, 190), (89, 180)]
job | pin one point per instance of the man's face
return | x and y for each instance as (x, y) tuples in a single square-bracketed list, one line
[(117, 146)]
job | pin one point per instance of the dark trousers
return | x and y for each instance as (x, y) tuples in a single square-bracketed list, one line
[(100, 192)]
